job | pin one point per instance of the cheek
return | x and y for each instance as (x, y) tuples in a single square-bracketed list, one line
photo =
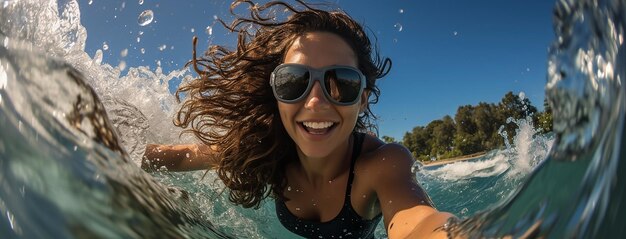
[(351, 113), (286, 111)]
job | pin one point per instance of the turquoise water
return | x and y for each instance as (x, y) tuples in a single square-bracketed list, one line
[(72, 132)]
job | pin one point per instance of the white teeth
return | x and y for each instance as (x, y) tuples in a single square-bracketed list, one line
[(318, 125)]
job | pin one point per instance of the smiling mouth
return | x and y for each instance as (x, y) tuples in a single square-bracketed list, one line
[(318, 127)]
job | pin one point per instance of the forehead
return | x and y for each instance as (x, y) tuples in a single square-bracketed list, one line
[(319, 49)]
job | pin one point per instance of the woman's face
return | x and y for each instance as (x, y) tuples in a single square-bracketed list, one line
[(317, 126)]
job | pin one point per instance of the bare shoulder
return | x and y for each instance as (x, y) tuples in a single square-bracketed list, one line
[(377, 153), (374, 148)]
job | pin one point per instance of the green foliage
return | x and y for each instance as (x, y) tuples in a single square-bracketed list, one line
[(544, 119), (473, 129), (442, 136), (389, 139)]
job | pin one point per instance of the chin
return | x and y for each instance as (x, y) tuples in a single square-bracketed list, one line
[(315, 152)]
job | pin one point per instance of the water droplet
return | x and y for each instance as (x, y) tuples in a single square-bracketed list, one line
[(401, 10), (143, 51), (162, 47), (140, 33), (138, 39), (187, 155), (363, 195), (455, 33), (90, 2), (398, 27), (390, 201), (145, 17), (75, 147), (395, 40), (297, 209), (140, 2), (124, 52), (464, 211), (97, 58), (105, 46), (209, 30), (289, 188), (214, 17), (193, 30), (122, 65)]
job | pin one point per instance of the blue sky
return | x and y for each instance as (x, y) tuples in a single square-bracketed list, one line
[(445, 53)]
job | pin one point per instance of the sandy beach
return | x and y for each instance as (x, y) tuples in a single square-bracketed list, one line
[(455, 159)]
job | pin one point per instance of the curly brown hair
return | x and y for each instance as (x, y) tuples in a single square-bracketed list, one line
[(231, 103)]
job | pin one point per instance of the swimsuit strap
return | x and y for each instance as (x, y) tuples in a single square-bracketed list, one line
[(356, 151)]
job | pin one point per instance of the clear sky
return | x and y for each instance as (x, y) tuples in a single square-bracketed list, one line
[(445, 53)]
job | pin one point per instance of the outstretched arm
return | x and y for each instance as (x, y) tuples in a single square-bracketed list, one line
[(419, 222), (407, 209), (179, 157)]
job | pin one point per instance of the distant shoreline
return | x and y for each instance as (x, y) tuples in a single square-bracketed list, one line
[(455, 159)]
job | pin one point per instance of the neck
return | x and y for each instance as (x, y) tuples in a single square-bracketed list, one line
[(326, 169)]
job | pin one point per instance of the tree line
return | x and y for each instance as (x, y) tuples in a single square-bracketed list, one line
[(474, 128)]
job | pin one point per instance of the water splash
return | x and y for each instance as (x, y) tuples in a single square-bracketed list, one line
[(57, 141), (586, 91), (147, 89)]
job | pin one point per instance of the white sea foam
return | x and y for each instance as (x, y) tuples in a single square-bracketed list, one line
[(461, 170), (528, 150), (139, 103)]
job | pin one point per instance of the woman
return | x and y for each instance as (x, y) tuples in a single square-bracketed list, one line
[(286, 112)]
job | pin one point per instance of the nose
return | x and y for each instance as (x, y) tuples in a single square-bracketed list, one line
[(316, 100)]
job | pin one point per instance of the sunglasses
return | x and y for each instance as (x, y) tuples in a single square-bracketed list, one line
[(342, 85)]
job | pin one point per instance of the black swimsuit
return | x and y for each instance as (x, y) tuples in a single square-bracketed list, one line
[(348, 224)]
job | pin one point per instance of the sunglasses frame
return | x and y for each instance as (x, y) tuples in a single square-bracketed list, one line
[(317, 74)]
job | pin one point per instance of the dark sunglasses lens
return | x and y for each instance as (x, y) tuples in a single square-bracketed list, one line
[(291, 82), (343, 84)]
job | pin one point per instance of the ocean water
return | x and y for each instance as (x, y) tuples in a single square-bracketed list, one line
[(72, 131)]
